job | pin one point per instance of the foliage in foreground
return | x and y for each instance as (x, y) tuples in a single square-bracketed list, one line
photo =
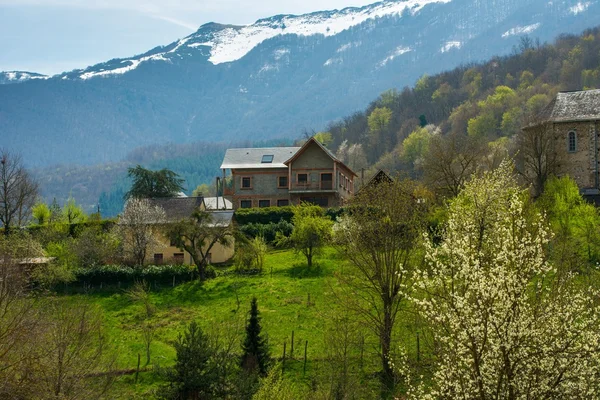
[(505, 324)]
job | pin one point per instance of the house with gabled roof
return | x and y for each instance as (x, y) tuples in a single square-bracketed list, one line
[(280, 176), (181, 208), (572, 120)]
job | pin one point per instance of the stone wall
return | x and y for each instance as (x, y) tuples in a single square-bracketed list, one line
[(581, 165)]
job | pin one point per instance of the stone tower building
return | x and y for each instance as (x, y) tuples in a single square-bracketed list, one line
[(573, 121)]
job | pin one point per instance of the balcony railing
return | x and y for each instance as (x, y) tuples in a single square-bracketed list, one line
[(312, 186)]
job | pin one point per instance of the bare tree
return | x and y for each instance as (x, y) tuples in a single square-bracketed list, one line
[(536, 156), (148, 335), (18, 191), (74, 359), (138, 227), (18, 318), (380, 237), (450, 162)]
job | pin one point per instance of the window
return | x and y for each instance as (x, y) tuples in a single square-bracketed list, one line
[(282, 182), (246, 182), (283, 202), (267, 159), (572, 141), (158, 258), (178, 258), (264, 203), (303, 179), (245, 203), (326, 181), (341, 179)]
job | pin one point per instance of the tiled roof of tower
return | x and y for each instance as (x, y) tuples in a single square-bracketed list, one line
[(573, 106), (258, 157)]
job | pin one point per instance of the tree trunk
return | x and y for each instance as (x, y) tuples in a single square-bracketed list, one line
[(385, 338)]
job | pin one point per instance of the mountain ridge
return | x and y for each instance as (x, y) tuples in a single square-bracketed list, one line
[(280, 87)]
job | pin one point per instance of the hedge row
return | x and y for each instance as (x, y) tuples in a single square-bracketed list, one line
[(104, 225), (113, 274), (272, 215), (267, 231), (264, 215)]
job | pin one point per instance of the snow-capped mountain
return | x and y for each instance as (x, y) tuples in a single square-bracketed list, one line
[(273, 78), (7, 77)]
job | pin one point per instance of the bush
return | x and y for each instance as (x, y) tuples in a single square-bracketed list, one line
[(264, 215), (112, 274), (250, 256), (267, 231)]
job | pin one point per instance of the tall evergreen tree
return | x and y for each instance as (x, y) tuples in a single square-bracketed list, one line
[(194, 374), (255, 350)]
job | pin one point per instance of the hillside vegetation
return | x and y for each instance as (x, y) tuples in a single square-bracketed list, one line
[(486, 102)]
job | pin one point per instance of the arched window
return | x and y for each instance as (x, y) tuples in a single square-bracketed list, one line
[(572, 144)]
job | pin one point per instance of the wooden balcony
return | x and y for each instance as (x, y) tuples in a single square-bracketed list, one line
[(312, 187)]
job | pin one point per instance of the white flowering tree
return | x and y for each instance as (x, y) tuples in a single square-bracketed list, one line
[(137, 228), (505, 325)]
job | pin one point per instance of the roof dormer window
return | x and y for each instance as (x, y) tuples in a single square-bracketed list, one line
[(267, 159)]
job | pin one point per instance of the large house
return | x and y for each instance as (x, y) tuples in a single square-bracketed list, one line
[(280, 176), (179, 208), (573, 121)]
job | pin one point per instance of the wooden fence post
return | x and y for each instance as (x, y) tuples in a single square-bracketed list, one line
[(292, 349), (137, 371), (283, 359), (305, 348)]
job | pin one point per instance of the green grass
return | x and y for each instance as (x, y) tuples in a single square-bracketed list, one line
[(282, 291)]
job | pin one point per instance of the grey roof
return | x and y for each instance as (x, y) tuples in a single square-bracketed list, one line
[(211, 203), (251, 158), (178, 208), (573, 106), (221, 218)]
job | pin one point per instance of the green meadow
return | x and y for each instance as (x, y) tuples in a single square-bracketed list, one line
[(291, 297)]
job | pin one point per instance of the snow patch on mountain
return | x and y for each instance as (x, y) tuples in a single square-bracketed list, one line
[(134, 63), (579, 7), (454, 44), (232, 43), (333, 61), (20, 76), (521, 30), (398, 51)]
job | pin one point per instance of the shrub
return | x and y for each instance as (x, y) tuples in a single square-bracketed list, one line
[(264, 215), (250, 256), (111, 274), (267, 231)]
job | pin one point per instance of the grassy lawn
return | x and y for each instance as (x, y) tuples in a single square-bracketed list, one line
[(220, 306)]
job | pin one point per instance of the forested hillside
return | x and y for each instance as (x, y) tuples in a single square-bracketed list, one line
[(104, 185), (473, 111)]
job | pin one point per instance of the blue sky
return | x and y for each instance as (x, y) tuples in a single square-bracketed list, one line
[(51, 36)]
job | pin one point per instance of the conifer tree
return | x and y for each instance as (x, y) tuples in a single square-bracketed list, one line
[(194, 374), (255, 351)]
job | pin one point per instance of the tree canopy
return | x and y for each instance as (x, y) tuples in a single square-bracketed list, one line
[(153, 184)]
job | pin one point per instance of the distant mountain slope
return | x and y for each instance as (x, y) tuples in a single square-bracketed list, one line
[(270, 79), (9, 77)]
